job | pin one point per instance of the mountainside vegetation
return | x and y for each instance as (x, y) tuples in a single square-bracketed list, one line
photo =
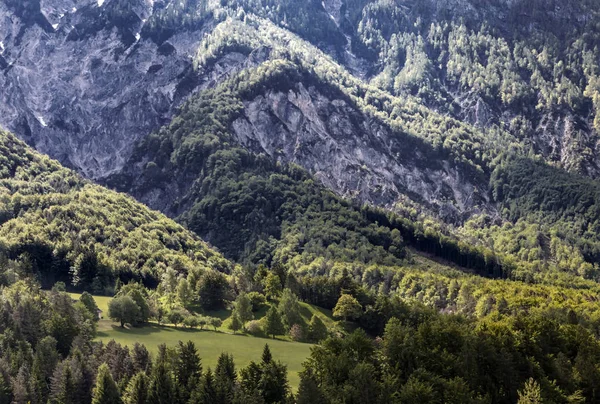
[(448, 252), (63, 228)]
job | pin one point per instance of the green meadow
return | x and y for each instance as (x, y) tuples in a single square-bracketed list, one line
[(211, 344)]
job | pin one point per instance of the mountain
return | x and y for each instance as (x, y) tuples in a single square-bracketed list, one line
[(471, 122)]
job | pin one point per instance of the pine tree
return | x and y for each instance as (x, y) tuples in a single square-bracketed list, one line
[(274, 326), (162, 389), (225, 377), (105, 391), (236, 324), (531, 393), (205, 392), (267, 357), (243, 307), (187, 370), (137, 390), (63, 385), (309, 391)]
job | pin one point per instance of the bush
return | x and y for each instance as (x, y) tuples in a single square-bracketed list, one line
[(191, 322), (253, 327), (297, 333), (215, 322)]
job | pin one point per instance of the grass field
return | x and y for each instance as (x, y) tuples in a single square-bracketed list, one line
[(211, 344)]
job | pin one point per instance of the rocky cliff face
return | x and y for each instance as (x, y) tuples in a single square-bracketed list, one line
[(352, 154), (82, 87)]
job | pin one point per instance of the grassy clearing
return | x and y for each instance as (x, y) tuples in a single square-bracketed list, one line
[(210, 344)]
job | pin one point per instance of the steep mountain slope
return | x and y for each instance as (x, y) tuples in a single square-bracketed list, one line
[(430, 109), (63, 227)]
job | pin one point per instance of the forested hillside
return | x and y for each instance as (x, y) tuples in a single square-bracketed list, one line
[(57, 225)]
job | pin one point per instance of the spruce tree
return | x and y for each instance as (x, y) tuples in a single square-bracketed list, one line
[(205, 392), (187, 370), (162, 388), (105, 391), (137, 390), (309, 391), (274, 324)]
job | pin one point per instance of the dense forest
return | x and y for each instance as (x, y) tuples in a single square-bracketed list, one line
[(64, 228)]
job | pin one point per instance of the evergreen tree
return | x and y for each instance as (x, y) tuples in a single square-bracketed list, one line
[(162, 389), (531, 393), (273, 383), (187, 369), (274, 326), (63, 387), (105, 391), (225, 377), (309, 391), (267, 357), (137, 390), (205, 392), (243, 308), (236, 324), (317, 330)]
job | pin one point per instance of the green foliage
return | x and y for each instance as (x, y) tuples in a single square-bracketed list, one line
[(236, 324), (317, 330), (137, 389), (273, 323), (212, 290), (73, 231), (347, 307), (243, 308), (124, 310), (290, 309), (105, 391), (531, 393)]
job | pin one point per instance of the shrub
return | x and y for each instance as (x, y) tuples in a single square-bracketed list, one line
[(253, 327), (297, 333)]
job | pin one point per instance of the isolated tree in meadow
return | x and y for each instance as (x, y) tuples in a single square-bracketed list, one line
[(347, 307), (124, 310), (106, 390), (274, 325), (236, 324), (243, 308), (215, 322)]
